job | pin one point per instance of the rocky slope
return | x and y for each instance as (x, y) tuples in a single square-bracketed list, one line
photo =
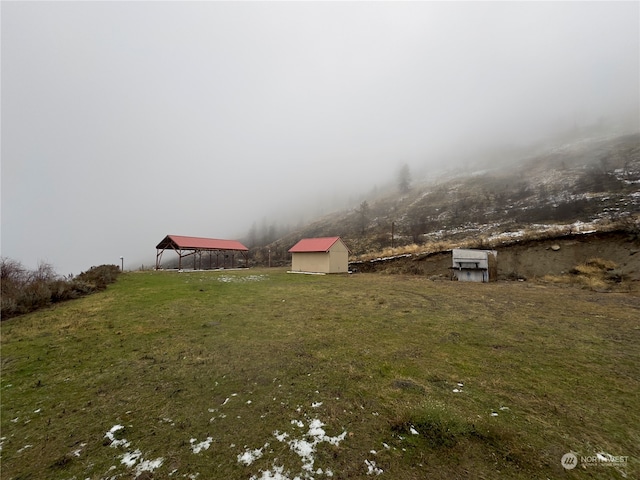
[(592, 181)]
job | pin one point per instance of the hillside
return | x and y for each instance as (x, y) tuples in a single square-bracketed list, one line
[(584, 183)]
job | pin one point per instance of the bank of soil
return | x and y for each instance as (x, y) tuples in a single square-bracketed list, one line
[(531, 259)]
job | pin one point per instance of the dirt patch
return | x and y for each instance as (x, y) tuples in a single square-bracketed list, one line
[(530, 259), (559, 255)]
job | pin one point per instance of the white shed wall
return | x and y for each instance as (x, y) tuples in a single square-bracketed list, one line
[(317, 262), (336, 260)]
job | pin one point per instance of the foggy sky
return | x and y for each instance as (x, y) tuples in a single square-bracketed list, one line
[(123, 122)]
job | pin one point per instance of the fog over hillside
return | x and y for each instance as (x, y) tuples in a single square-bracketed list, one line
[(126, 121)]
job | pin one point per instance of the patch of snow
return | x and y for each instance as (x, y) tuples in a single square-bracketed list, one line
[(241, 279), (280, 436), (315, 428), (148, 465), (304, 447), (250, 456), (198, 447), (76, 453), (372, 469), (114, 441), (130, 458), (305, 450), (276, 473)]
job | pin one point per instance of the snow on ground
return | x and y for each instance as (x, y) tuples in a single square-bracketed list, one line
[(198, 447), (130, 459), (305, 435), (372, 469), (114, 441), (242, 278), (249, 456), (304, 446)]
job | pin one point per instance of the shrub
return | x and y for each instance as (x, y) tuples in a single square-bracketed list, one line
[(100, 276), (24, 291)]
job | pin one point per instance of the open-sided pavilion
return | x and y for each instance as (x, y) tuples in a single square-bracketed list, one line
[(221, 253)]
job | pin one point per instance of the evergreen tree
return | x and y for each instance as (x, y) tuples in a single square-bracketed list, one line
[(404, 178)]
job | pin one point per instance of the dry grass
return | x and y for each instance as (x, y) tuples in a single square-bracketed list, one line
[(593, 274), (601, 264), (174, 357), (429, 247)]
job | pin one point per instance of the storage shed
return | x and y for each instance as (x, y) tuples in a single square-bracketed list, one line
[(320, 255), (474, 265)]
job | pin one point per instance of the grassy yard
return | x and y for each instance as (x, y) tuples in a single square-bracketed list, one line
[(264, 374)]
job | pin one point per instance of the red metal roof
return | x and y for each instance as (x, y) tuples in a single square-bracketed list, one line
[(199, 243), (314, 244)]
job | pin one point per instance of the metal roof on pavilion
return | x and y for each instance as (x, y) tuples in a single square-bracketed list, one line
[(187, 246)]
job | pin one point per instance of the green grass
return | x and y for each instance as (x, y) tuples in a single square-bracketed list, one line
[(178, 358)]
